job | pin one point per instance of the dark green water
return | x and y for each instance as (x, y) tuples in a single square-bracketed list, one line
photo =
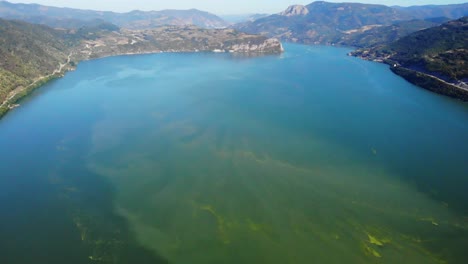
[(307, 157)]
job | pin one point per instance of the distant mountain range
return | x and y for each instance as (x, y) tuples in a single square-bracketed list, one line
[(336, 23), (74, 18), (428, 11), (234, 19)]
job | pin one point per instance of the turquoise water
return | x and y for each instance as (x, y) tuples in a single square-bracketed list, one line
[(307, 157)]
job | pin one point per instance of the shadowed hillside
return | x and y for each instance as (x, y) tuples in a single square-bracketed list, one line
[(439, 51)]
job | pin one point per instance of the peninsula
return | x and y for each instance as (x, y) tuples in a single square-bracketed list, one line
[(33, 54)]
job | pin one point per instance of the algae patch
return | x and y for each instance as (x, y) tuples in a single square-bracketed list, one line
[(430, 220), (371, 241), (369, 251), (220, 221)]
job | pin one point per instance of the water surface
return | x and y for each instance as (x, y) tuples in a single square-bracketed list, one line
[(310, 156)]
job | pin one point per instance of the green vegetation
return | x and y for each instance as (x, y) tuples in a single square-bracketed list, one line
[(381, 35), (434, 58), (31, 55), (439, 49), (27, 54)]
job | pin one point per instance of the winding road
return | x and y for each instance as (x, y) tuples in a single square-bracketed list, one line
[(18, 90)]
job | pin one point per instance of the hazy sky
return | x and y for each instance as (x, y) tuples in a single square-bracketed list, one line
[(214, 6)]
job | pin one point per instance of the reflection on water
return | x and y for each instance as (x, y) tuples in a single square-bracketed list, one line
[(311, 156)]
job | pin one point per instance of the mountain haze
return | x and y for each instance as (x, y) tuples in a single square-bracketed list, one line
[(333, 23), (241, 18), (58, 17), (322, 22), (428, 11)]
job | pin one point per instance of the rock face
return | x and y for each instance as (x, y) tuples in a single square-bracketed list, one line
[(176, 39), (295, 10), (268, 46)]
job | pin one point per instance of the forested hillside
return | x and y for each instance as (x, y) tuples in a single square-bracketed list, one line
[(441, 50), (28, 52), (434, 58), (380, 35)]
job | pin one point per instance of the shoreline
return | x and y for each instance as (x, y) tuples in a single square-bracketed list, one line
[(11, 102), (421, 79), (431, 83), (19, 93)]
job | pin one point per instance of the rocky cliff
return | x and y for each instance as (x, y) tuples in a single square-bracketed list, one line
[(271, 45), (295, 10), (176, 39)]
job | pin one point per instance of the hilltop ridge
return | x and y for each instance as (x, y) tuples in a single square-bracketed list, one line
[(136, 19), (335, 23)]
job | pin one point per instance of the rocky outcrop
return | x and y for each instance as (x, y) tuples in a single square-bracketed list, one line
[(177, 39), (267, 46), (295, 10)]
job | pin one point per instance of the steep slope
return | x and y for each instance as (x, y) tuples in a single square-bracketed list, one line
[(54, 16), (295, 10), (28, 52), (441, 49), (434, 58), (380, 35)]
